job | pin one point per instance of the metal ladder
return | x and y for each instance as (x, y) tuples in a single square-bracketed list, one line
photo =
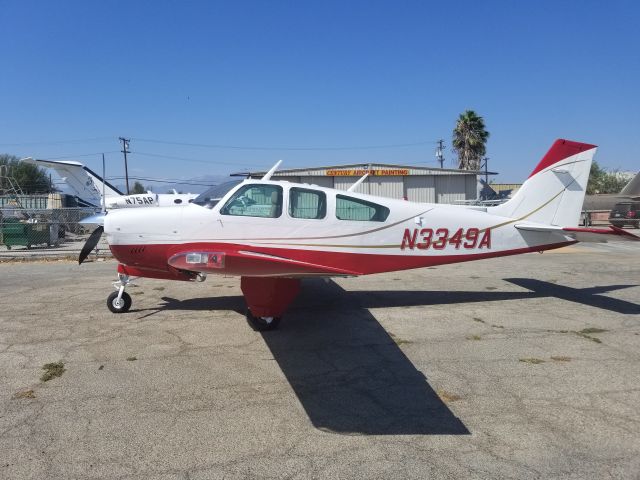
[(10, 187)]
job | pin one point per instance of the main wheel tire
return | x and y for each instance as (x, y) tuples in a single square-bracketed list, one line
[(262, 324), (119, 307)]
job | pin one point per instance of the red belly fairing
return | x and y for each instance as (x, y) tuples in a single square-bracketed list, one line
[(294, 262)]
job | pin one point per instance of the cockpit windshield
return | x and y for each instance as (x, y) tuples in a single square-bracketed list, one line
[(212, 196)]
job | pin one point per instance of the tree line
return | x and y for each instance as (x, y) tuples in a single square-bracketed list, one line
[(29, 178)]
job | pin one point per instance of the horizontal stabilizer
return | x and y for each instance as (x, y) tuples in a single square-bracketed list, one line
[(579, 234)]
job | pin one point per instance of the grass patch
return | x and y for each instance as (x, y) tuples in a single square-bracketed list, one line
[(584, 333), (101, 367), (532, 360), (474, 337), (448, 397), (132, 359), (137, 292), (52, 370), (25, 394), (490, 288), (159, 289), (588, 337), (560, 358), (399, 341), (476, 319), (496, 326), (589, 331)]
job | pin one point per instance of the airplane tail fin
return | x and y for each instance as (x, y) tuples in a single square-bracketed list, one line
[(632, 189), (86, 185), (554, 192)]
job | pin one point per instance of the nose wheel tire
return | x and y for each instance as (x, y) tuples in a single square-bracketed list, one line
[(121, 306), (262, 324)]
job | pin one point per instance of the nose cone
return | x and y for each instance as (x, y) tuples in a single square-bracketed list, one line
[(97, 219)]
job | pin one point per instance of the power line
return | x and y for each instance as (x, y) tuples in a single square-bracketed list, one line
[(238, 147), (57, 142), (209, 162), (72, 156), (194, 183)]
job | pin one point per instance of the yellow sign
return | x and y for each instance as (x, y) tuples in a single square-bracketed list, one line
[(387, 172)]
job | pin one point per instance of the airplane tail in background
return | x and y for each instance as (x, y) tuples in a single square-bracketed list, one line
[(554, 192), (632, 189), (86, 185)]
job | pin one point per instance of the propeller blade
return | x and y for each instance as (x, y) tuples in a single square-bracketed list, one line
[(90, 244)]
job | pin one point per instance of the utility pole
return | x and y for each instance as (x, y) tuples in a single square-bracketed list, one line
[(439, 154), (125, 150), (486, 169)]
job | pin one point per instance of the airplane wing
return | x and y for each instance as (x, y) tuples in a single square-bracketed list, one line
[(602, 235)]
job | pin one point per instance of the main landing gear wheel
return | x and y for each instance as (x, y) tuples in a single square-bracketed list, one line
[(119, 306), (262, 324)]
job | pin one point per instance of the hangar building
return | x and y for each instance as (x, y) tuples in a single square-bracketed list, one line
[(413, 183)]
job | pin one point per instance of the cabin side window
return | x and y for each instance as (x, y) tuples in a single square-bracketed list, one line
[(255, 201), (306, 203), (349, 208)]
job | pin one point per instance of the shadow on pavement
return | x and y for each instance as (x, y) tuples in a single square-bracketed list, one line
[(586, 296), (349, 374), (347, 371)]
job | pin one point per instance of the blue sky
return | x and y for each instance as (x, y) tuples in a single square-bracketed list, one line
[(76, 75)]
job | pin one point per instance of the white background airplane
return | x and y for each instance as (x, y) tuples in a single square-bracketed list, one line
[(88, 187), (273, 233)]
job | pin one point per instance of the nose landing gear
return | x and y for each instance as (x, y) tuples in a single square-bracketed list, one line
[(120, 301)]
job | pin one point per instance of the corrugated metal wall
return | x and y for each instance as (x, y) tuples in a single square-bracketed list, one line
[(471, 190), (320, 181), (433, 187), (421, 188), (391, 187), (343, 183), (450, 188)]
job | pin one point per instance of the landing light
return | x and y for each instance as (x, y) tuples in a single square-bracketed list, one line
[(198, 261)]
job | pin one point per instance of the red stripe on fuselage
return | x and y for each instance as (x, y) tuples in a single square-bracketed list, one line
[(154, 258)]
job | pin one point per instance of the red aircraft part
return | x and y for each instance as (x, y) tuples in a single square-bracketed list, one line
[(269, 296), (168, 274), (291, 262)]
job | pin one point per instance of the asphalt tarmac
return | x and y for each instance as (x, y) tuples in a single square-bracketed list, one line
[(520, 367)]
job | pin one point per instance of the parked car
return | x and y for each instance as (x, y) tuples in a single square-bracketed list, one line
[(625, 213)]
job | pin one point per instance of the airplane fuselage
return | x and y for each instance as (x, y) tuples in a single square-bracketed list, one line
[(412, 235)]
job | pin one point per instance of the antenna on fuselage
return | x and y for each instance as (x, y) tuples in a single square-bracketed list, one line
[(272, 171), (353, 187)]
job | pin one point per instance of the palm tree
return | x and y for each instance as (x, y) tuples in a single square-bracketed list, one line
[(469, 140)]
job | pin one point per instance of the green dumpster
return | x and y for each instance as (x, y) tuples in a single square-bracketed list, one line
[(15, 232)]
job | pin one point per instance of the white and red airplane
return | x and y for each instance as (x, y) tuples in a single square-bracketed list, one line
[(273, 233)]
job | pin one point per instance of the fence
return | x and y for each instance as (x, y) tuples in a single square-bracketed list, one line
[(33, 230)]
